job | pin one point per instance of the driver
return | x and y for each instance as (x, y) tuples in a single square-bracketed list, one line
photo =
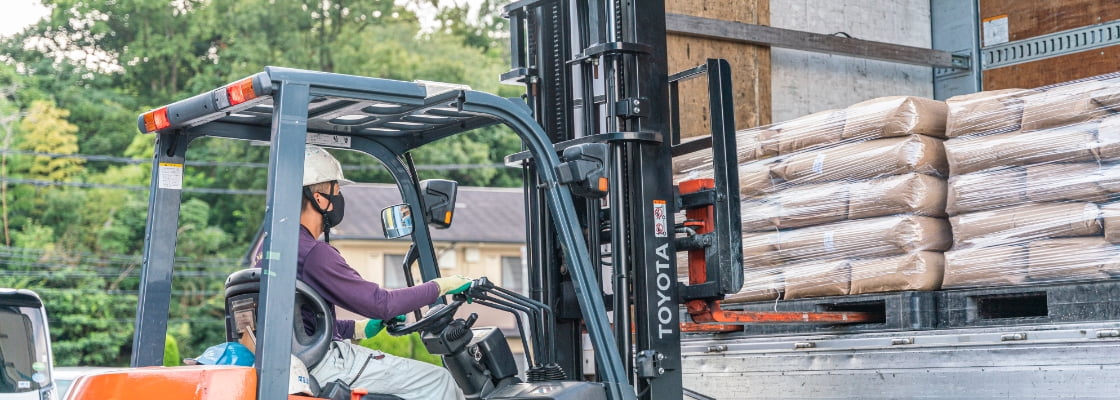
[(320, 266)]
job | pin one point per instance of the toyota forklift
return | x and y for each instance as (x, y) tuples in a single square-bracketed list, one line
[(599, 123)]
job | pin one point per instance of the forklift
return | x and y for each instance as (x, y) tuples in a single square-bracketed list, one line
[(600, 124)]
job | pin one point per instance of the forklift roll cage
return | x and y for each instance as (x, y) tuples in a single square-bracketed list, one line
[(596, 89), (385, 119)]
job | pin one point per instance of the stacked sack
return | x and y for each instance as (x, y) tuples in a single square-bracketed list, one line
[(842, 202), (1034, 180)]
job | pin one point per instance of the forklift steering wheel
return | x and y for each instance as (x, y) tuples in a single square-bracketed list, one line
[(438, 315)]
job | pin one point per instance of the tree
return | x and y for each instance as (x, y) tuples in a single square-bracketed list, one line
[(479, 25), (89, 69), (45, 130), (147, 44), (171, 355), (9, 120)]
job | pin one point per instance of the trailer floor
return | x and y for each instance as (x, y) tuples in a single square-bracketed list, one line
[(1079, 361)]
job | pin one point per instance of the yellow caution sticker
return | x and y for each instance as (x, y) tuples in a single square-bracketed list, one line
[(170, 176)]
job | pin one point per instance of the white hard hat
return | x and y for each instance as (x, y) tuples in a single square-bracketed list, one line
[(299, 381), (320, 166)]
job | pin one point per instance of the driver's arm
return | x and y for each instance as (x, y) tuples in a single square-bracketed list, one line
[(341, 285)]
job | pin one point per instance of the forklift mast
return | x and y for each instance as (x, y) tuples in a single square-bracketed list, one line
[(596, 79)]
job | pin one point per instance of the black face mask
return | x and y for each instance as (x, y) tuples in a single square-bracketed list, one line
[(334, 216)]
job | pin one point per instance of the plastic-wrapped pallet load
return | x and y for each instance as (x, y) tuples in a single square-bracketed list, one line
[(1018, 186), (842, 201), (1034, 185)]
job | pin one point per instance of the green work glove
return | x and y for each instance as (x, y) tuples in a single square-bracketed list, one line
[(368, 328), (400, 318), (453, 284)]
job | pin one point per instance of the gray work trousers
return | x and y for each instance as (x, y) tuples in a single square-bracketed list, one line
[(385, 373)]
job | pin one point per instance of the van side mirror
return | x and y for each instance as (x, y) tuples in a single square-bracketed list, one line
[(438, 197), (396, 221)]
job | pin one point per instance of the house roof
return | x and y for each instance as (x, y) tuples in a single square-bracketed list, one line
[(494, 215)]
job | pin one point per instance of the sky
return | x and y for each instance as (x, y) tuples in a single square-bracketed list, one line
[(18, 14)]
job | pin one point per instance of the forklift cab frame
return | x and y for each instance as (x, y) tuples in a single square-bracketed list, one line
[(385, 119)]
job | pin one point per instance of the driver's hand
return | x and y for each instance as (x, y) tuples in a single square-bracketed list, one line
[(453, 284), (368, 328)]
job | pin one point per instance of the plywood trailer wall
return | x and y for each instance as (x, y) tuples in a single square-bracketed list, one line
[(1027, 19), (750, 65)]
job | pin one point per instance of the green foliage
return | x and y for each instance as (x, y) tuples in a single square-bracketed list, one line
[(89, 328), (402, 346), (171, 352), (481, 27), (72, 86), (32, 236), (45, 130), (122, 232)]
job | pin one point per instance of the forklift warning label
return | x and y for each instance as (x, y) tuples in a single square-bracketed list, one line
[(323, 139), (170, 176), (660, 224)]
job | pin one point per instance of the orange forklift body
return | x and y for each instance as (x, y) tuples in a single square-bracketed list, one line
[(203, 382)]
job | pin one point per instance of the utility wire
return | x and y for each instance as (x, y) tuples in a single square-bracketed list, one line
[(255, 192), (109, 258), (134, 274), (59, 264), (128, 187), (125, 160), (129, 292)]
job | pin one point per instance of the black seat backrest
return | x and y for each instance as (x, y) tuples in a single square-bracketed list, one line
[(242, 293), (309, 343)]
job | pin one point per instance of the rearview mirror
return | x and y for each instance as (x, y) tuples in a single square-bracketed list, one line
[(396, 221), (438, 197)]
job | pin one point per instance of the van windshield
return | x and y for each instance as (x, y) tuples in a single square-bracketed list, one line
[(24, 352)]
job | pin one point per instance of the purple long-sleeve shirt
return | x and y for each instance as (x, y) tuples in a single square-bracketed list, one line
[(321, 267)]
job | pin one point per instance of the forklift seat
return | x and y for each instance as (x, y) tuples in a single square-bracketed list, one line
[(309, 343)]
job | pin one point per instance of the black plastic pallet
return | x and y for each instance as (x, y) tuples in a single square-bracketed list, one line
[(1051, 303), (899, 311)]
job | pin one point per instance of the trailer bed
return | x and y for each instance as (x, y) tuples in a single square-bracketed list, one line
[(1017, 362)]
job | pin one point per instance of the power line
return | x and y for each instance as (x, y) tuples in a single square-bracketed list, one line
[(45, 183), (128, 292), (9, 261), (134, 274), (14, 252), (253, 192), (234, 164)]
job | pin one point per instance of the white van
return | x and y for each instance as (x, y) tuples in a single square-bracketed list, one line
[(25, 347)]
